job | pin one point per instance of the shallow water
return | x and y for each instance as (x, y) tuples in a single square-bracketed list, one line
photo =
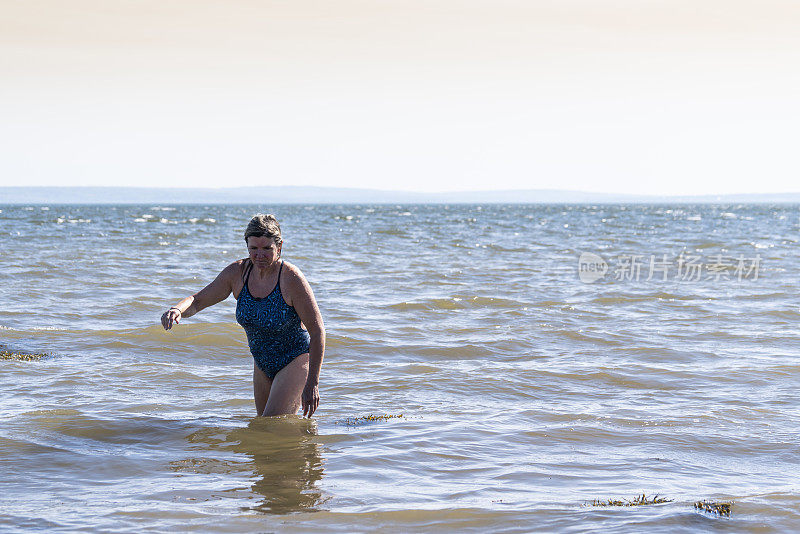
[(525, 393)]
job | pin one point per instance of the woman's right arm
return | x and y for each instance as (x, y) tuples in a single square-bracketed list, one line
[(215, 292)]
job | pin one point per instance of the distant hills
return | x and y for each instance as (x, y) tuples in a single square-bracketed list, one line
[(337, 195)]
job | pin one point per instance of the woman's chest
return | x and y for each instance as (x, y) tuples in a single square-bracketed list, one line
[(270, 313)]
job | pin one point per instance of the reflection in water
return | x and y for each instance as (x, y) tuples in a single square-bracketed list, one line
[(287, 457), (288, 462)]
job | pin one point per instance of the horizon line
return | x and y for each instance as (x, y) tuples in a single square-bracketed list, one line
[(404, 191)]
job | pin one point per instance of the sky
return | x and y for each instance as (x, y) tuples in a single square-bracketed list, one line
[(674, 97)]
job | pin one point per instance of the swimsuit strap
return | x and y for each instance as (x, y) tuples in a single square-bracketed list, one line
[(278, 285), (247, 270)]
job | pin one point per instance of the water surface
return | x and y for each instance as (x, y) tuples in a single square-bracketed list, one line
[(525, 393)]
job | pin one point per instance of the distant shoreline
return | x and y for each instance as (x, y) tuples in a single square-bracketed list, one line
[(332, 195)]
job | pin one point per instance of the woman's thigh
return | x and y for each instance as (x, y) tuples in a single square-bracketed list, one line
[(287, 387), (261, 387)]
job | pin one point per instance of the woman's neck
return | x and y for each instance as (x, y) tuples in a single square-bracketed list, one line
[(266, 272)]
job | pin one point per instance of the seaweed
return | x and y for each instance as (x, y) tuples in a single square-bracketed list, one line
[(719, 508), (353, 421), (22, 356), (639, 500)]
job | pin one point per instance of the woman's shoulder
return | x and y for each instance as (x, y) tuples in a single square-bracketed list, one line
[(292, 274), (291, 269), (294, 284), (236, 268)]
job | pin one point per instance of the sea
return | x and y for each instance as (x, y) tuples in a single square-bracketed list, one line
[(489, 368)]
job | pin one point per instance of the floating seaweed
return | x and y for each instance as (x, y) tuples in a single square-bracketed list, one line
[(639, 500), (352, 421), (719, 508), (22, 356)]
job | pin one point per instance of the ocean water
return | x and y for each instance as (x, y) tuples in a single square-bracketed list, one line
[(534, 358)]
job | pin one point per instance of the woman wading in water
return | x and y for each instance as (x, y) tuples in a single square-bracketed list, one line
[(274, 303)]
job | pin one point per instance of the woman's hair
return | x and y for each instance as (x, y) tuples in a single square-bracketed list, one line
[(264, 226)]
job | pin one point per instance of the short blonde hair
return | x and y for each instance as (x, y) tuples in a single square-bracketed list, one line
[(262, 225)]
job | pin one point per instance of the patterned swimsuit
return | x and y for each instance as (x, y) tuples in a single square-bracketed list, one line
[(272, 327)]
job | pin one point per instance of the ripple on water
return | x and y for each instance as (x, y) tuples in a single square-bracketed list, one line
[(458, 302)]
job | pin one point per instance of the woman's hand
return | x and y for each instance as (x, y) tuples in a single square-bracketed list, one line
[(310, 399), (170, 317)]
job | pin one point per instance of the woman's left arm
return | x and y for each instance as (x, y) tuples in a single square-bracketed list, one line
[(305, 304)]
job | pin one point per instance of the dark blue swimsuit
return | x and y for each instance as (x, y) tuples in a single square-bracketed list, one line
[(272, 326)]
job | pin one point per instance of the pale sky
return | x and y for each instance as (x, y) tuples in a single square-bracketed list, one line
[(638, 96)]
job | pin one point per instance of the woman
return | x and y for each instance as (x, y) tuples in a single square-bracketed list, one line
[(274, 303)]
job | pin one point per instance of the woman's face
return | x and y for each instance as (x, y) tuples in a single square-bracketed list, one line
[(263, 251)]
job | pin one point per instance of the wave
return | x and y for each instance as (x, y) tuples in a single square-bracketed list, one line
[(223, 335), (579, 336), (659, 296), (710, 244), (458, 302)]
